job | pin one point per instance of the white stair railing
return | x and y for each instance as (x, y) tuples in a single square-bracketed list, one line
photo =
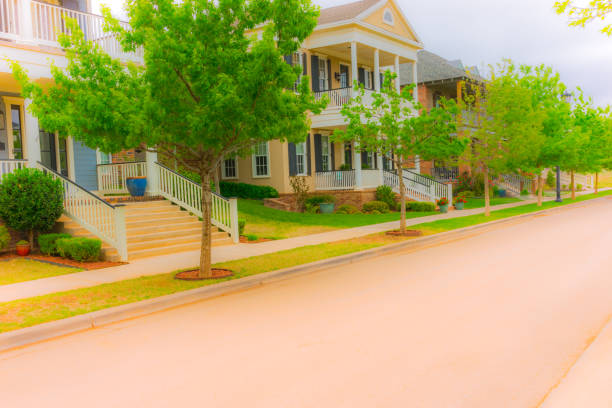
[(418, 187), (9, 166), (102, 219), (112, 177), (9, 19), (188, 194), (514, 183)]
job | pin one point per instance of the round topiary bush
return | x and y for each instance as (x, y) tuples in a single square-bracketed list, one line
[(30, 201)]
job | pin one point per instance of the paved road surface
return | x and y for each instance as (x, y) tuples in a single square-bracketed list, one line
[(495, 320)]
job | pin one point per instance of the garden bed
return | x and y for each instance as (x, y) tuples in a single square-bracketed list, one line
[(56, 260)]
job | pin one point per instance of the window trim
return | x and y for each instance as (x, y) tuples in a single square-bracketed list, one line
[(304, 155), (254, 165), (386, 13), (329, 153), (323, 79), (223, 176)]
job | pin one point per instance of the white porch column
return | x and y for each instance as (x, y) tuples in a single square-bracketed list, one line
[(415, 80), (358, 177), (354, 71), (379, 166), (31, 135), (377, 83), (397, 72), (152, 174), (26, 28), (417, 164)]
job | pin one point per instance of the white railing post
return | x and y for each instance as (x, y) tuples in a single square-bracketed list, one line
[(358, 175), (26, 28), (152, 173), (121, 233), (450, 193), (235, 230), (432, 192)]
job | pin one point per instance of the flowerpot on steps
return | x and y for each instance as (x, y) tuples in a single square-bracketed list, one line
[(443, 208), (501, 192), (459, 205), (136, 186), (326, 208), (23, 249)]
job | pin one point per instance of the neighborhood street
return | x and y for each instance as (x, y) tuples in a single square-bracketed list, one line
[(494, 320)]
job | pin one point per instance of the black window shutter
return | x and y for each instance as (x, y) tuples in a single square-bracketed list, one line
[(318, 153), (292, 160), (382, 79), (364, 158), (308, 155), (333, 156), (304, 64), (348, 157), (361, 74), (372, 80), (375, 164), (329, 75), (314, 67), (288, 59)]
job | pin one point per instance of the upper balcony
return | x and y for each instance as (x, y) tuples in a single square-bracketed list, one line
[(34, 23)]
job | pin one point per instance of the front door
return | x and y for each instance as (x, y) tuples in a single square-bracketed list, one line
[(344, 76), (53, 152)]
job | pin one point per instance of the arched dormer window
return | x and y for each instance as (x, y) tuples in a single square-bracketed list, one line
[(388, 17)]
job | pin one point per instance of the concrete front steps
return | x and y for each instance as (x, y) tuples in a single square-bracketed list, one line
[(154, 228)]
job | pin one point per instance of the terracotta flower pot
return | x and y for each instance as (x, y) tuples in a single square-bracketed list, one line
[(23, 250)]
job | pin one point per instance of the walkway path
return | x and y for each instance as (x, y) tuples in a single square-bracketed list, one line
[(172, 262), (470, 323)]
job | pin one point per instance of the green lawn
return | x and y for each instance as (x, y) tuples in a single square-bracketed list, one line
[(28, 312), (480, 203), (21, 270), (267, 222)]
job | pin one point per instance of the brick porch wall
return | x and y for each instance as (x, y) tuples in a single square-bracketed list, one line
[(287, 202)]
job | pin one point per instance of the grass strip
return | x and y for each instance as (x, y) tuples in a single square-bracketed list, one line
[(21, 270), (23, 313)]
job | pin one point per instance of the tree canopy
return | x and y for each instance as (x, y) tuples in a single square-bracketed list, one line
[(581, 13)]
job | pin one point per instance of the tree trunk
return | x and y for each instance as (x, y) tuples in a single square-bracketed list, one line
[(573, 185), (596, 183), (540, 188), (216, 180), (205, 249), (486, 192), (402, 189), (31, 238)]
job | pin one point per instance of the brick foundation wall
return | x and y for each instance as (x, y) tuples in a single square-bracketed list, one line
[(287, 202), (15, 237)]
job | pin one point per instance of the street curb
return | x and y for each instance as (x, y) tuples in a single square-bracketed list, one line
[(50, 330)]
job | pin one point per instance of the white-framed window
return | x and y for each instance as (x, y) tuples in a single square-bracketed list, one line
[(370, 160), (261, 160), (230, 169), (325, 153), (344, 76), (323, 78), (388, 17), (296, 61), (368, 79), (104, 158), (300, 159)]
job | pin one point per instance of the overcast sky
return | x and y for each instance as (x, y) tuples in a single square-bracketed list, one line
[(528, 31)]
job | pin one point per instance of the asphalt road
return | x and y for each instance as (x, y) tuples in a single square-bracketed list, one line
[(494, 320)]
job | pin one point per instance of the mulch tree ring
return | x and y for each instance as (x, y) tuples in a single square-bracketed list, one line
[(245, 240), (192, 275), (408, 233)]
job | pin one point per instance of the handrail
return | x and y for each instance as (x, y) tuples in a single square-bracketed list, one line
[(117, 164), (188, 179), (75, 11), (45, 168)]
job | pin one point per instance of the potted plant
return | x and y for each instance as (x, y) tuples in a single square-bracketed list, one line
[(327, 204), (443, 204), (501, 192), (23, 248), (460, 202), (136, 186)]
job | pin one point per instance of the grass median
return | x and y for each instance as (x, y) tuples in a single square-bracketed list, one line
[(29, 312)]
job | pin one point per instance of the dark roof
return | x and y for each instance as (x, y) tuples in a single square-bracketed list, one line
[(345, 11), (432, 67)]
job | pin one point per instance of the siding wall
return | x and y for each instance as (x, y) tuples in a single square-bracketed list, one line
[(85, 166)]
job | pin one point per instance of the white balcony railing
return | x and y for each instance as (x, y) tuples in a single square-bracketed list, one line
[(41, 23), (9, 166), (112, 177), (335, 180), (339, 97)]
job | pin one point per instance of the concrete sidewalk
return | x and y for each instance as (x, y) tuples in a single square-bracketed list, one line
[(168, 263)]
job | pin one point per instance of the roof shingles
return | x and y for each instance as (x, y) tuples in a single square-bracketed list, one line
[(345, 11)]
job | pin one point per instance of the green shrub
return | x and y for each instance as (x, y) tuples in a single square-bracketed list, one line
[(386, 195), (418, 206), (375, 212), (244, 190), (5, 238), (495, 190), (252, 237), (347, 209), (48, 243), (241, 225), (30, 200), (525, 192), (579, 187), (315, 200), (311, 208), (345, 167), (372, 206), (79, 249), (550, 179)]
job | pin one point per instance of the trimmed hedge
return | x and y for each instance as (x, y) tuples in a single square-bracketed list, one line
[(5, 238), (375, 207), (79, 249), (420, 206), (241, 225), (347, 209), (244, 190), (48, 243)]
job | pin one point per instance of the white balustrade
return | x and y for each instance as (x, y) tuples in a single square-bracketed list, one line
[(9, 19), (112, 177), (370, 178), (515, 183), (335, 180), (418, 187), (102, 219), (9, 166), (340, 97), (188, 195), (585, 180)]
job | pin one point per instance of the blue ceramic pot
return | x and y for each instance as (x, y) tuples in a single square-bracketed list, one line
[(444, 208), (326, 208), (136, 186), (501, 192), (459, 205)]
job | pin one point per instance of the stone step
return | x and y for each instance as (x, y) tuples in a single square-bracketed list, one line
[(172, 241), (192, 232), (147, 253), (131, 218)]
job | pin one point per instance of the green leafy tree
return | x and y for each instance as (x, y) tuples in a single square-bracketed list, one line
[(387, 124), (210, 86), (30, 201), (581, 13)]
